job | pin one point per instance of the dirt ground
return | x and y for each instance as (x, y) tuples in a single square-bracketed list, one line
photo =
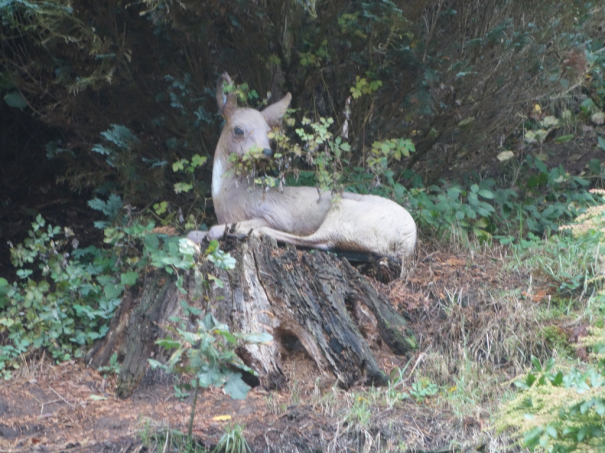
[(72, 408)]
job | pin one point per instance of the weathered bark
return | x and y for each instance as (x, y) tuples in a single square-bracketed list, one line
[(314, 296)]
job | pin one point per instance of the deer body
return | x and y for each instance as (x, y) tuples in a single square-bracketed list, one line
[(296, 215)]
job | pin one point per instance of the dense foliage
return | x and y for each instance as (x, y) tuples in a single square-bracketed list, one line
[(128, 91)]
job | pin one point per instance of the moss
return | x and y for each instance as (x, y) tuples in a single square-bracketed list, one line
[(556, 338)]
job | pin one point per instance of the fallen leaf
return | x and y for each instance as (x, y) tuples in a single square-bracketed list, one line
[(221, 418), (539, 295), (97, 398), (505, 155), (466, 122), (550, 121), (598, 118)]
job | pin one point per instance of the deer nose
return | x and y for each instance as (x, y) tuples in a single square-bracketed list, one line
[(267, 152)]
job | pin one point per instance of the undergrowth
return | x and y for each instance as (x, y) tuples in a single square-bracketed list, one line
[(564, 410), (65, 295)]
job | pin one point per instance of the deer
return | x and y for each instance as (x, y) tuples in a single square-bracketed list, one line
[(301, 216)]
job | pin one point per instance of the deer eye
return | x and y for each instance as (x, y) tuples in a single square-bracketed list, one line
[(238, 131)]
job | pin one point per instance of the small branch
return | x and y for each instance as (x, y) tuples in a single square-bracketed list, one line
[(192, 416), (59, 395)]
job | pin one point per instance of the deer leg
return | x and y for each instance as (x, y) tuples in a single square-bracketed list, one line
[(314, 240), (218, 231), (259, 227)]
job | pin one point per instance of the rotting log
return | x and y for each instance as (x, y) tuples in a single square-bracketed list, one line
[(316, 297)]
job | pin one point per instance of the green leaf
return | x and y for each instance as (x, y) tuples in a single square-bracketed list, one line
[(551, 431), (564, 138), (155, 364), (488, 194), (540, 166), (602, 143), (210, 376), (112, 290), (129, 278), (168, 343), (198, 161), (216, 280), (180, 187), (532, 437), (120, 136), (179, 165), (186, 247), (152, 242), (235, 387), (4, 287), (98, 148), (15, 100)]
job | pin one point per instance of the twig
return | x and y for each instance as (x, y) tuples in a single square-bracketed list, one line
[(417, 362), (59, 395), (45, 404)]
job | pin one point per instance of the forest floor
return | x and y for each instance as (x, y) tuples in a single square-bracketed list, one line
[(449, 299)]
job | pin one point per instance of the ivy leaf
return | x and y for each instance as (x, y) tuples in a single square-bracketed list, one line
[(15, 100), (112, 291)]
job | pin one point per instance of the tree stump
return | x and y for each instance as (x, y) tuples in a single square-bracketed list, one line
[(314, 296)]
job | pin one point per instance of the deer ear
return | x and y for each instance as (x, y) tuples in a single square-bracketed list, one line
[(276, 111), (227, 102)]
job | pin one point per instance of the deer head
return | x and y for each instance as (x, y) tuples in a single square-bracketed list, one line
[(245, 128)]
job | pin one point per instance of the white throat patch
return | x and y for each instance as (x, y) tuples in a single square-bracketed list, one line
[(217, 177)]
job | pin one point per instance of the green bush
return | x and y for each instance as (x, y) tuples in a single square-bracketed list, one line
[(64, 298)]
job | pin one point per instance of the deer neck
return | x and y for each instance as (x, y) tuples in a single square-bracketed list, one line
[(230, 193)]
